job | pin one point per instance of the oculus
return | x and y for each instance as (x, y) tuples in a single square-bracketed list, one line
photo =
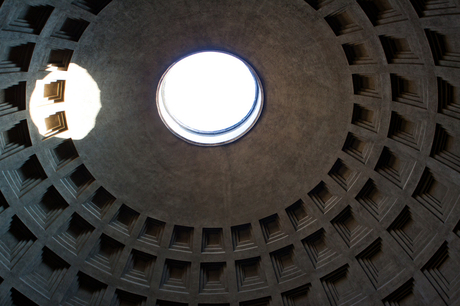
[(209, 98)]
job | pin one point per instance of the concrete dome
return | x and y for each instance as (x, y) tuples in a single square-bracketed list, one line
[(345, 191)]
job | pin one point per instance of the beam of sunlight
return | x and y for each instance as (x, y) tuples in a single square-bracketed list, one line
[(73, 93)]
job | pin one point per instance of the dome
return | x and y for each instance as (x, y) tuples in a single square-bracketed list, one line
[(344, 192)]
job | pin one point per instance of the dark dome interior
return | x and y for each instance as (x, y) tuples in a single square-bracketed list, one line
[(345, 192)]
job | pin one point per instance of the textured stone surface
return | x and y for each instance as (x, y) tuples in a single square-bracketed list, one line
[(345, 192)]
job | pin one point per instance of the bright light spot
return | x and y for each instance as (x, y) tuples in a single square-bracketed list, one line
[(209, 91), (209, 98), (81, 102)]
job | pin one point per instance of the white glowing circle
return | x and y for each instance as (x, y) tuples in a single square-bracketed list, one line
[(209, 98)]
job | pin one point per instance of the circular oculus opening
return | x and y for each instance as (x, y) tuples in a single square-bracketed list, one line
[(209, 98)]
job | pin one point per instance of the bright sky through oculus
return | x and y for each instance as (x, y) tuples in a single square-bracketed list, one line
[(209, 92), (209, 98)]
